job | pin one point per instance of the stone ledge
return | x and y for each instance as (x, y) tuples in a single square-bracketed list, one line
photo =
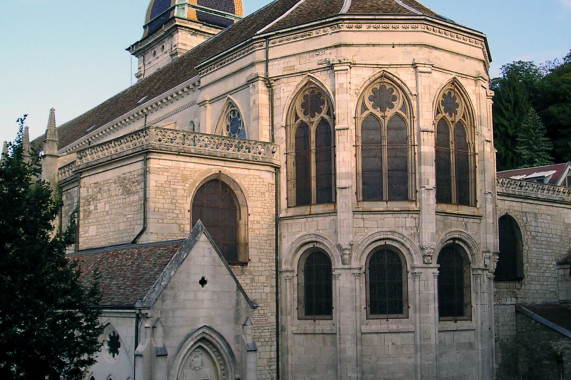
[(533, 190)]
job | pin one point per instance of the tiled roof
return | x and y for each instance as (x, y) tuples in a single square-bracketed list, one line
[(557, 317), (555, 170), (127, 272), (277, 15)]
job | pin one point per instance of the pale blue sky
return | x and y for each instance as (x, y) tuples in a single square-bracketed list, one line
[(70, 54)]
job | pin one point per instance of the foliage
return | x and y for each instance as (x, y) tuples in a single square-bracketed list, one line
[(49, 326), (532, 144), (548, 90), (512, 98), (554, 106)]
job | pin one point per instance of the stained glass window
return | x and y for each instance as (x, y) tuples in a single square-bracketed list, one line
[(234, 125), (386, 167), (311, 144), (455, 159)]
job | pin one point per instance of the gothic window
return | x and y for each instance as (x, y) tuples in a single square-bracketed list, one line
[(386, 284), (311, 149), (234, 126), (231, 123), (384, 141), (510, 262), (454, 299), (315, 292), (454, 149), (216, 205)]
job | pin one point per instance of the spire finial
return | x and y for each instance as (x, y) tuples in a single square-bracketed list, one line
[(51, 131)]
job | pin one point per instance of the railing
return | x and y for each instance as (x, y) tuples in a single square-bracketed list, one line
[(169, 140), (66, 171), (519, 188)]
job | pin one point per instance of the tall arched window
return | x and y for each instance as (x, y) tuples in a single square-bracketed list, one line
[(315, 291), (454, 148), (386, 284), (385, 143), (215, 204), (454, 294), (510, 262), (311, 145)]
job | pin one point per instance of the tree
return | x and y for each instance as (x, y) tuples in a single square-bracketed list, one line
[(532, 144), (514, 92), (49, 326), (553, 104)]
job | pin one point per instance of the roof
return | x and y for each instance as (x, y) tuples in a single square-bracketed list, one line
[(278, 15), (214, 12), (556, 317), (552, 173), (127, 272), (134, 276)]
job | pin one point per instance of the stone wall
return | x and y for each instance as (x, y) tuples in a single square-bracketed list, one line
[(543, 214)]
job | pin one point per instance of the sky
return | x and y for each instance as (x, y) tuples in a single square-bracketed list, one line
[(70, 55)]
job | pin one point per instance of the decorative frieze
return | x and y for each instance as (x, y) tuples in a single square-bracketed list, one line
[(169, 140), (534, 190)]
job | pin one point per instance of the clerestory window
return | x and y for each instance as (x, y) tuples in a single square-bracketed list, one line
[(384, 141), (311, 149), (454, 148)]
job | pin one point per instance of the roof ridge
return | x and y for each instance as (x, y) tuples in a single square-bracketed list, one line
[(407, 7), (281, 17)]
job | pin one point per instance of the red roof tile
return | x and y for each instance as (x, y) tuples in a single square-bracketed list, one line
[(127, 272), (529, 172)]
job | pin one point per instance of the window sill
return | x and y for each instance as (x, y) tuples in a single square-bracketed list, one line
[(324, 208), (391, 327), (459, 325), (385, 206), (458, 210), (314, 330)]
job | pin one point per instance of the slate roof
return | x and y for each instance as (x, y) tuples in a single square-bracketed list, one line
[(277, 15), (557, 317), (555, 170), (127, 272)]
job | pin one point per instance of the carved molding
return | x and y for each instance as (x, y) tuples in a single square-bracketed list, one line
[(533, 190), (170, 140), (427, 253)]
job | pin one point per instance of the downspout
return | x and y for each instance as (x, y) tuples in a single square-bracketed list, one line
[(144, 228), (145, 165), (136, 344), (78, 210), (270, 88)]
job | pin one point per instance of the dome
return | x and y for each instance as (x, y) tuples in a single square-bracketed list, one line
[(221, 13)]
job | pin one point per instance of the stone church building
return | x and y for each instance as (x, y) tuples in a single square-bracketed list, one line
[(308, 192)]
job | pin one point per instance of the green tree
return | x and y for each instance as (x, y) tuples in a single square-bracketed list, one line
[(513, 95), (532, 144), (49, 327), (553, 104)]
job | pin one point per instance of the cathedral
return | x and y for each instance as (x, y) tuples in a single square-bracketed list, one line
[(308, 192)]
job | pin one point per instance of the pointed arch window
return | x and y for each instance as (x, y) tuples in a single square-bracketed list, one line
[(315, 289), (454, 149), (231, 123), (510, 261), (384, 140), (311, 149), (216, 205), (454, 291)]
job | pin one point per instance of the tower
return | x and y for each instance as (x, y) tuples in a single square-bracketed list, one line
[(173, 27)]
